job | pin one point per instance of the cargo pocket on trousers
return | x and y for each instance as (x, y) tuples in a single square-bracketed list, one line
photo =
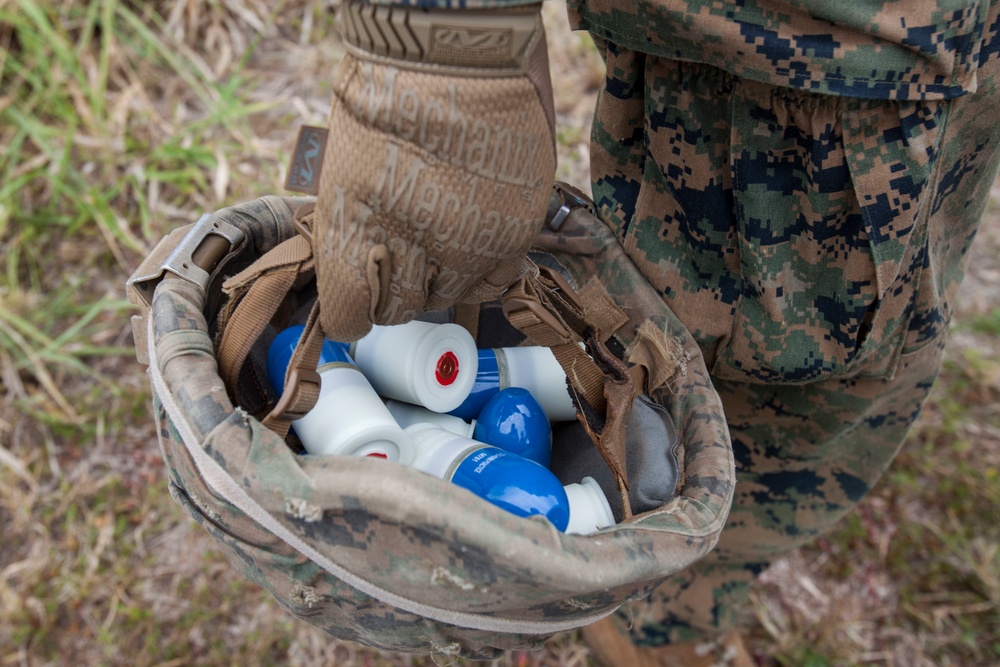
[(830, 204)]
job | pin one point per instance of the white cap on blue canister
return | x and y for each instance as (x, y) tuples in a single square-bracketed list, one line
[(589, 509)]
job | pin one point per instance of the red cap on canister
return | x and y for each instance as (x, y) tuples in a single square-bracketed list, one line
[(446, 371)]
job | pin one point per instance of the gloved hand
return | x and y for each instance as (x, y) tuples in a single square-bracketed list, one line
[(439, 162)]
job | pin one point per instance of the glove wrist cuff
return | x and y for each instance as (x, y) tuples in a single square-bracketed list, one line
[(465, 42)]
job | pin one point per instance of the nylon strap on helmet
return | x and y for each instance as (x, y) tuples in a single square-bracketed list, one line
[(547, 309)]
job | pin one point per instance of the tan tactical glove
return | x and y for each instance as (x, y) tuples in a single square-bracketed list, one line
[(439, 162)]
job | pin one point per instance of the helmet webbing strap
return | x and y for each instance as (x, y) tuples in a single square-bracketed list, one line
[(547, 309), (255, 296)]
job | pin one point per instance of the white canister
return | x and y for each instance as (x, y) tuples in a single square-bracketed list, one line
[(349, 418), (407, 414), (433, 365), (536, 369), (589, 509)]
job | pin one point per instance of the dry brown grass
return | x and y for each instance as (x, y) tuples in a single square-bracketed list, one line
[(121, 120)]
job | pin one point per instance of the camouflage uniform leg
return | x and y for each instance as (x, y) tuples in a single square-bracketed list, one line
[(813, 245), (806, 456)]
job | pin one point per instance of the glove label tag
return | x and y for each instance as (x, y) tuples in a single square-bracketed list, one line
[(307, 160), (471, 46)]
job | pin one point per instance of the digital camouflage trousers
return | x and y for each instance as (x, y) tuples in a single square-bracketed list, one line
[(814, 245)]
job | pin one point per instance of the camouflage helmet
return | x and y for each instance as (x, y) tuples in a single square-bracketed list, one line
[(385, 555)]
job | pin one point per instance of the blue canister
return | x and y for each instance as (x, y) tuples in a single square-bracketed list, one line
[(515, 422), (485, 387), (533, 368), (283, 346), (515, 484), (509, 481)]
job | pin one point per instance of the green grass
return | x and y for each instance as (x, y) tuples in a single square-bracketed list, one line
[(986, 323), (115, 128), (114, 132)]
